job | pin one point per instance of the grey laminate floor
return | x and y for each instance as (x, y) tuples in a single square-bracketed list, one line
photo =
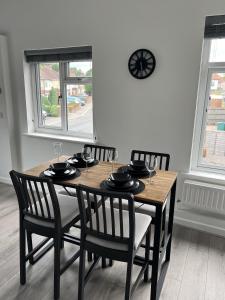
[(196, 272)]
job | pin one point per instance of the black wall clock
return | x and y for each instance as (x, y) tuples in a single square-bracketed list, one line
[(141, 63)]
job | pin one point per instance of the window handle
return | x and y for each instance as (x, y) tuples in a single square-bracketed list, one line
[(59, 99)]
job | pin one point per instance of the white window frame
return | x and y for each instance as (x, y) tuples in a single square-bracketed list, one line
[(64, 79), (206, 70)]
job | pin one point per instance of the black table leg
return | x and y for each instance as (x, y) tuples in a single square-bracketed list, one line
[(159, 268), (171, 217), (156, 252)]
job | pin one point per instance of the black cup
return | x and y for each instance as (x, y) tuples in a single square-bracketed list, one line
[(60, 167)]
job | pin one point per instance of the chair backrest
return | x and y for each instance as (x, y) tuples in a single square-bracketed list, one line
[(163, 158), (107, 223), (36, 197), (101, 152)]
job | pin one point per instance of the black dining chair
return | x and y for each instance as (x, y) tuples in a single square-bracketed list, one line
[(100, 153), (163, 164), (111, 233), (43, 212)]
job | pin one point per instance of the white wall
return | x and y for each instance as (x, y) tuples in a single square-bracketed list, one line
[(6, 127), (156, 113)]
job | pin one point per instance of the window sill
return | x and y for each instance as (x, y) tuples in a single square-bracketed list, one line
[(206, 176), (64, 138)]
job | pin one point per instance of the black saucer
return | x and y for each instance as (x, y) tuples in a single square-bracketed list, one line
[(125, 185), (137, 173), (80, 163), (137, 187), (69, 173)]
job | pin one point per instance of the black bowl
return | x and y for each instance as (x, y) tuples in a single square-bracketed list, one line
[(120, 178), (138, 164), (60, 167), (78, 156)]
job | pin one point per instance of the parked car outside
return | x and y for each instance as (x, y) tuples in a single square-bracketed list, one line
[(75, 99)]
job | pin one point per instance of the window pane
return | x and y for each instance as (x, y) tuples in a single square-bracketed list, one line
[(79, 108), (213, 152), (80, 69), (50, 110), (217, 50)]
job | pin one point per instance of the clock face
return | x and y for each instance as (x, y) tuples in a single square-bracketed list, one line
[(141, 63)]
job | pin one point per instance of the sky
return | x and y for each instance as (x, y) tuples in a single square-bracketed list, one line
[(82, 65)]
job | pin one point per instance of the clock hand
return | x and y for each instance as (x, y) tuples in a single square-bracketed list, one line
[(141, 66)]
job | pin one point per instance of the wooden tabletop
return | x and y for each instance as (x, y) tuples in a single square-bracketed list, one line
[(156, 191)]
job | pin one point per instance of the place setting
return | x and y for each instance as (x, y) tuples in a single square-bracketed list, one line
[(140, 168), (121, 181), (60, 170), (83, 159)]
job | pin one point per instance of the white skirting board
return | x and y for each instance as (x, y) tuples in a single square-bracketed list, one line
[(5, 180), (210, 223)]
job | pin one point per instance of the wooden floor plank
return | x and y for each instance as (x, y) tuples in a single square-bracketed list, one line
[(193, 283), (215, 285)]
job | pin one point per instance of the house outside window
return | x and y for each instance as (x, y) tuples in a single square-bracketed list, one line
[(208, 151), (62, 85)]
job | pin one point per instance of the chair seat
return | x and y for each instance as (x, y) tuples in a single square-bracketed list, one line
[(142, 223), (72, 192), (68, 208), (125, 204), (147, 209)]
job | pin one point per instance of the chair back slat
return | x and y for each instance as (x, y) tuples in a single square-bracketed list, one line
[(121, 217), (95, 152), (46, 201), (30, 192), (89, 212), (37, 197), (96, 213), (27, 198), (112, 217), (163, 158), (100, 152), (109, 222), (104, 214), (160, 163), (104, 155)]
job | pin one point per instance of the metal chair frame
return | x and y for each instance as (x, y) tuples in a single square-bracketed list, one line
[(100, 152), (87, 228), (29, 191), (164, 161)]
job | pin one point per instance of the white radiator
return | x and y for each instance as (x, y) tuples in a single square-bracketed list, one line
[(206, 196)]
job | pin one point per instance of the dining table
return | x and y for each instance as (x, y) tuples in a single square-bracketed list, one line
[(159, 192)]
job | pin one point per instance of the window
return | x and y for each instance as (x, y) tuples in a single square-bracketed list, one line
[(62, 80), (208, 151)]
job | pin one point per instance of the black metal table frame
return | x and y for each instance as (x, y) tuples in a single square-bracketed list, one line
[(159, 266)]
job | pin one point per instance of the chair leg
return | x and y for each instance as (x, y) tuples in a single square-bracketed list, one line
[(129, 279), (163, 226), (22, 255), (147, 254), (89, 255), (30, 247), (57, 245), (103, 262), (110, 262), (81, 275), (62, 243)]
